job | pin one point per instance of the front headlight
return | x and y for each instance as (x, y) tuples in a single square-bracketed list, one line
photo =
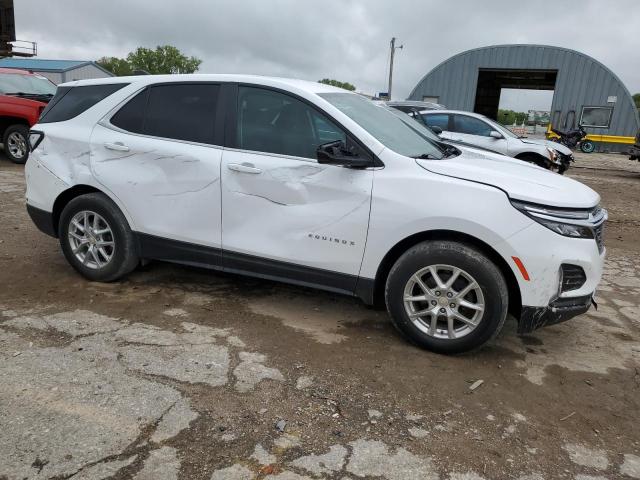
[(566, 229), (578, 223)]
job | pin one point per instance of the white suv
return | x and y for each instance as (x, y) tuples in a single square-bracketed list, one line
[(309, 184)]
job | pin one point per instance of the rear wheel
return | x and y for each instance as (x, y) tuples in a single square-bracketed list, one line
[(96, 239), (447, 297), (587, 146), (16, 146)]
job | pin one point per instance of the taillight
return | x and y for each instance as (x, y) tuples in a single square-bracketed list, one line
[(35, 137)]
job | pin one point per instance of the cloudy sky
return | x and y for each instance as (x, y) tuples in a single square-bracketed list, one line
[(343, 39)]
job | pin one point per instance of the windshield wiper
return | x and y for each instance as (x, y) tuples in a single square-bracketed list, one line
[(450, 151), (26, 94), (425, 156)]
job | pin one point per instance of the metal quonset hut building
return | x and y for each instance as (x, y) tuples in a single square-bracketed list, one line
[(585, 91)]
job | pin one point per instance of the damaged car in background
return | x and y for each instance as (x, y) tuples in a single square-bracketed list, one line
[(305, 183)]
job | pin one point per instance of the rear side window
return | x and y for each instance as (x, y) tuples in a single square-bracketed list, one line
[(69, 102), (180, 112)]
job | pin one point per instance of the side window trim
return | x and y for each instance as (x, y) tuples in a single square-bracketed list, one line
[(219, 124), (230, 137)]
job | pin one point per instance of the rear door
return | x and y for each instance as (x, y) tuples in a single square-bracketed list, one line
[(283, 214), (160, 154)]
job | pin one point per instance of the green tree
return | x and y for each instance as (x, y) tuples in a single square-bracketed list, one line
[(337, 83), (509, 117), (164, 59), (118, 66), (636, 98)]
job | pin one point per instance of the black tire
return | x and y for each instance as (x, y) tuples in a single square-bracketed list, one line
[(486, 274), (587, 146), (20, 133), (124, 257)]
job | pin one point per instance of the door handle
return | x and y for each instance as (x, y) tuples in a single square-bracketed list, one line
[(117, 146), (244, 168)]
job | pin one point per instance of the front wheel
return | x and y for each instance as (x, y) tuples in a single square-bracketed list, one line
[(16, 146), (96, 239), (447, 297), (587, 146)]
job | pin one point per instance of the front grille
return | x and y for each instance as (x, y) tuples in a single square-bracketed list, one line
[(573, 277), (598, 233)]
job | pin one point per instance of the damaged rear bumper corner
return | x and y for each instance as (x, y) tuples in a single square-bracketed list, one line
[(560, 310)]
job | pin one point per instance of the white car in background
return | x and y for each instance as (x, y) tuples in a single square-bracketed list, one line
[(305, 183), (475, 129)]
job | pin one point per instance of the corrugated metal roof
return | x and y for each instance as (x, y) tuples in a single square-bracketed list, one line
[(581, 81), (41, 64)]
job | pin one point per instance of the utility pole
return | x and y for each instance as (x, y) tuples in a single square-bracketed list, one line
[(393, 52)]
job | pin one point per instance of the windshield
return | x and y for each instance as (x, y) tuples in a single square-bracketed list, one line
[(29, 84), (389, 129)]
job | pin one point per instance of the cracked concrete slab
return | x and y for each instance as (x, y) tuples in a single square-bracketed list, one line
[(178, 418), (251, 371), (328, 463), (76, 408), (374, 458), (162, 464), (587, 457), (104, 470)]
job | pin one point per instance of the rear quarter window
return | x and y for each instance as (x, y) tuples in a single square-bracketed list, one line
[(69, 102)]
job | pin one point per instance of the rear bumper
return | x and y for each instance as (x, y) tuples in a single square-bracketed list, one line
[(43, 220), (560, 310)]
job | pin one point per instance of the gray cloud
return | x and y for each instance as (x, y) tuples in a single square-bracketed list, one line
[(343, 39)]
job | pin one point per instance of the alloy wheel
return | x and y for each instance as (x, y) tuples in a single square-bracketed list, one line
[(444, 301), (91, 239), (17, 145)]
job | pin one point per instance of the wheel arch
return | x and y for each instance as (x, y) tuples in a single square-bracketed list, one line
[(65, 197), (8, 120), (538, 158), (515, 298)]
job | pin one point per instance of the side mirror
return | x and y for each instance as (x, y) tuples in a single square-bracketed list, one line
[(436, 130), (495, 134), (337, 153)]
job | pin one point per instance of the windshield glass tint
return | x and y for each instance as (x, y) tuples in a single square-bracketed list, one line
[(16, 83), (385, 126)]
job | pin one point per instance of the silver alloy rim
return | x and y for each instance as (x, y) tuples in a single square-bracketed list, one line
[(17, 145), (91, 239), (444, 301)]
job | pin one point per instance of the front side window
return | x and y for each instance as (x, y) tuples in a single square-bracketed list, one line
[(181, 112), (596, 117), (440, 120), (273, 122), (384, 126), (471, 126)]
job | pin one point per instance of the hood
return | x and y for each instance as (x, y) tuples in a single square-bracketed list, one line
[(548, 143), (520, 180), (28, 101)]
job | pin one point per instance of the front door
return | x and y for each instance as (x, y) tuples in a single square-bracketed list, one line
[(475, 131), (158, 156), (283, 214)]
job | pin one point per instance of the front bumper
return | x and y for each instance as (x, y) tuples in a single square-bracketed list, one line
[(560, 310)]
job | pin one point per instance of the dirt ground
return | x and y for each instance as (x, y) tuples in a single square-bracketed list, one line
[(179, 373)]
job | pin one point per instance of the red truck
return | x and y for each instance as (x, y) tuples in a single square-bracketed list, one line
[(23, 97)]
